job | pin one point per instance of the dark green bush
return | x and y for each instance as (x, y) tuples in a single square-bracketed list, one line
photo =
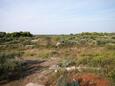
[(8, 63)]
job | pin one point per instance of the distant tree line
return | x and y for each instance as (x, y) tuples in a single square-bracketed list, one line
[(6, 37), (15, 34)]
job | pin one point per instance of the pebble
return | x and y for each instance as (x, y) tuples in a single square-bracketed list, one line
[(34, 84)]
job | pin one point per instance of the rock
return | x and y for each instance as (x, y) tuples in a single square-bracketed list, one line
[(54, 67), (56, 71), (58, 44), (70, 68), (92, 83), (34, 84)]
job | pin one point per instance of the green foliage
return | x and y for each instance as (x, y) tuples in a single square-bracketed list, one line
[(67, 62), (8, 63), (110, 46), (15, 34), (78, 46), (2, 34), (112, 75), (6, 37), (96, 61), (74, 83), (63, 80), (105, 63)]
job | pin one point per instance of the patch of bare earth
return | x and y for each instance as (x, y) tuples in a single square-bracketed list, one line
[(35, 72), (90, 79), (38, 73), (42, 77)]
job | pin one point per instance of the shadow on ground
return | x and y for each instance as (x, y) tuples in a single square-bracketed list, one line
[(28, 67)]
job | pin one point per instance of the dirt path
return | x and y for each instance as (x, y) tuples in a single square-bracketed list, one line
[(38, 72), (34, 71), (42, 76)]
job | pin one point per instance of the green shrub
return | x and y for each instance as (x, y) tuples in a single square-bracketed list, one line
[(67, 62), (8, 63), (110, 46), (64, 78), (112, 75), (96, 61)]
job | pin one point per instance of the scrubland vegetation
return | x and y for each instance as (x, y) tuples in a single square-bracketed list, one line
[(95, 50)]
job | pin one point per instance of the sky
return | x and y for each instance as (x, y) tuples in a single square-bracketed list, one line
[(57, 16)]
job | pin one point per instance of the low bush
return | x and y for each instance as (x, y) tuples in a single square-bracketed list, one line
[(97, 61), (67, 62), (110, 46), (8, 63)]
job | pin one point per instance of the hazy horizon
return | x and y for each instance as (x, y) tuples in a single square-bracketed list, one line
[(57, 16)]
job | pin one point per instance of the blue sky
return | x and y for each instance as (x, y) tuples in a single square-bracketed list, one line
[(57, 16)]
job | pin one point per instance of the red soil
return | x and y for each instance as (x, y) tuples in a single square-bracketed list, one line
[(90, 79)]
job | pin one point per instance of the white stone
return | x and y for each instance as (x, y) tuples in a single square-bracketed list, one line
[(70, 68), (58, 44), (33, 84), (56, 71), (54, 67)]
